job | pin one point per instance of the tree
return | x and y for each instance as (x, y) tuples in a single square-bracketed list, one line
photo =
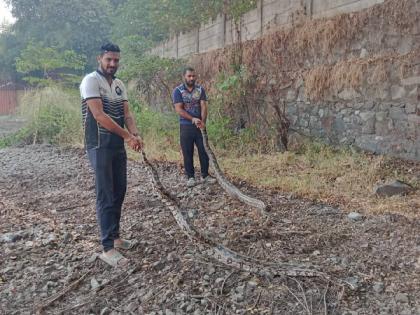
[(45, 65), (9, 50), (155, 20), (76, 25)]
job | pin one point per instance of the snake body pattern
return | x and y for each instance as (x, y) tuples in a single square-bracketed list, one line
[(227, 185), (211, 248)]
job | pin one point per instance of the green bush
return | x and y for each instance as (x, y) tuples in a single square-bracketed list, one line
[(53, 116)]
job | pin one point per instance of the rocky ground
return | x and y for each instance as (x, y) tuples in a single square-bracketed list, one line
[(49, 243)]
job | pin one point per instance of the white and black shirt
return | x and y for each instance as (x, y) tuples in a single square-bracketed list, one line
[(95, 85)]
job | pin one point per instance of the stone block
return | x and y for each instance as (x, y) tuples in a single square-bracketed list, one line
[(291, 109), (398, 92), (410, 108), (291, 95), (327, 123), (364, 53), (382, 128), (302, 122), (339, 125), (367, 142), (314, 123), (413, 95), (405, 45), (293, 119), (366, 116), (349, 94), (414, 119), (411, 81), (368, 126), (381, 93), (381, 116), (397, 113)]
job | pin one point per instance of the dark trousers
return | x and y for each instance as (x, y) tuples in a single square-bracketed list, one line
[(110, 167), (191, 135)]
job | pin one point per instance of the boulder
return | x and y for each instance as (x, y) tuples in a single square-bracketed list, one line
[(393, 188)]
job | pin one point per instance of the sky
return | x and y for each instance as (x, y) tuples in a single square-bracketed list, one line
[(5, 14)]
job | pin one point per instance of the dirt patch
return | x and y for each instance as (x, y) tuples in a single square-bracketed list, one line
[(49, 239)]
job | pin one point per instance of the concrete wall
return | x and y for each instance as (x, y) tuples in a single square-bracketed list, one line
[(269, 16), (378, 115), (211, 35), (327, 8)]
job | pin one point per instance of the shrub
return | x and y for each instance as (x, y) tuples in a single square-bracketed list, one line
[(53, 116)]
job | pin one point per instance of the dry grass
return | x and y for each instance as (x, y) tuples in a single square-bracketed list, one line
[(158, 148), (338, 177), (328, 80)]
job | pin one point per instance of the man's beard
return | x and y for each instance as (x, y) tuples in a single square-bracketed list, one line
[(190, 83), (109, 71)]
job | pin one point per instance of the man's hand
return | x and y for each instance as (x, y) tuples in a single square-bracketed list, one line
[(135, 143), (199, 123)]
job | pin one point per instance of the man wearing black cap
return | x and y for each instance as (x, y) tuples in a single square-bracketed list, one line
[(108, 123)]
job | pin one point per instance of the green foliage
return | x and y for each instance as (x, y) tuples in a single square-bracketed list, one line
[(230, 125), (231, 92), (236, 9), (152, 75), (53, 116), (10, 48), (65, 24), (50, 64), (15, 138), (150, 122), (82, 26), (155, 20), (148, 68), (224, 137)]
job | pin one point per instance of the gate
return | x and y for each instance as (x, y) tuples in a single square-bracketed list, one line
[(8, 98), (8, 102)]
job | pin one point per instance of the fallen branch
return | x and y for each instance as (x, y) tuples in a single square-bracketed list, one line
[(256, 303), (59, 295), (72, 207)]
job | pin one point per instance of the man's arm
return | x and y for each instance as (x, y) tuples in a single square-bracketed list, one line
[(203, 111), (179, 108), (96, 108), (129, 120), (203, 105)]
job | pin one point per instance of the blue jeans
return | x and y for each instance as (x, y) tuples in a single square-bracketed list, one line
[(110, 167)]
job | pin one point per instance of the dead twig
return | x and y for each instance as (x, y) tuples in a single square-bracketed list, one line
[(305, 307), (325, 300), (224, 281), (42, 307), (256, 302), (72, 207), (304, 295)]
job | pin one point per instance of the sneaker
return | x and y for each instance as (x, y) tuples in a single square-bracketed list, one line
[(191, 182), (208, 180)]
